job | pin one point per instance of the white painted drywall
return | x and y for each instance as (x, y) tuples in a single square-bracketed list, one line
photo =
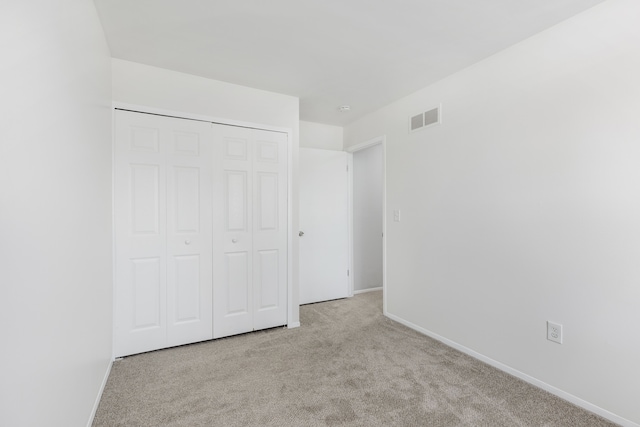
[(157, 87), (144, 85), (318, 135), (55, 212), (367, 218), (524, 206)]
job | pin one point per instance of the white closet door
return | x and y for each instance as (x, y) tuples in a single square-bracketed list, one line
[(140, 225), (162, 201), (269, 229), (189, 232), (250, 247), (232, 291)]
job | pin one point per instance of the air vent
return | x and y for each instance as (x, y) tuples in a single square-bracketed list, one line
[(424, 120), (417, 122)]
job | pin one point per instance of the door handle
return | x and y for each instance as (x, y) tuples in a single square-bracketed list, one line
[(187, 242), (301, 233), (234, 240)]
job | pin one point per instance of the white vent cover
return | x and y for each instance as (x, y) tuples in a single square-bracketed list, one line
[(424, 120)]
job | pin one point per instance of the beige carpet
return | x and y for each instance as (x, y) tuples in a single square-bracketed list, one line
[(347, 365)]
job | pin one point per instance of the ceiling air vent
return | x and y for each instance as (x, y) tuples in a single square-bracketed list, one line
[(424, 120)]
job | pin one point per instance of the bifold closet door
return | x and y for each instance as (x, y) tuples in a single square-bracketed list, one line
[(163, 232), (250, 248)]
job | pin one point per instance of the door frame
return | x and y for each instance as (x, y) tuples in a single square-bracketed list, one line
[(379, 140), (223, 121)]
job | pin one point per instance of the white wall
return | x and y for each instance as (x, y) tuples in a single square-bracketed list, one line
[(55, 212), (523, 207), (144, 85), (367, 218), (318, 135)]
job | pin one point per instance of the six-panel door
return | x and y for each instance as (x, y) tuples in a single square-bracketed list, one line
[(250, 248), (163, 233), (189, 232)]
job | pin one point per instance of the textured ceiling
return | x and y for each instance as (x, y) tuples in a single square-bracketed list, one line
[(365, 53)]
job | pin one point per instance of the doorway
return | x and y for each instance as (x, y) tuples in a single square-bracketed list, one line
[(368, 216)]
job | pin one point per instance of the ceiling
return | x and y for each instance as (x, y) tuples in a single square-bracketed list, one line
[(363, 53)]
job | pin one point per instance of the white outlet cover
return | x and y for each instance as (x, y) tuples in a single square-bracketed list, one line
[(554, 332)]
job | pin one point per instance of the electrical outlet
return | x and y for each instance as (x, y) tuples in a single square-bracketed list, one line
[(396, 215), (554, 332)]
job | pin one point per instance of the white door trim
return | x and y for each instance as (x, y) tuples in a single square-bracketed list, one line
[(224, 121), (354, 148), (113, 235), (350, 221)]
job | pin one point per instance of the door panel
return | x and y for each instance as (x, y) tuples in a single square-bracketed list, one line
[(324, 216), (235, 148), (145, 180), (267, 151), (147, 295), (163, 233), (232, 290), (187, 199), (267, 209), (268, 279), (236, 201), (237, 284), (186, 143), (188, 298), (144, 139), (140, 234), (189, 229), (250, 285), (270, 229)]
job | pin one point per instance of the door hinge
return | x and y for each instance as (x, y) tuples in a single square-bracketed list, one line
[(347, 168), (347, 272)]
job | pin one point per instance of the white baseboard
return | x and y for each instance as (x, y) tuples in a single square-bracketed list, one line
[(362, 291), (292, 325), (102, 386), (531, 380)]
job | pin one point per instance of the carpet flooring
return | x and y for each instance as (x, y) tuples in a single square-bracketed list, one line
[(347, 365)]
